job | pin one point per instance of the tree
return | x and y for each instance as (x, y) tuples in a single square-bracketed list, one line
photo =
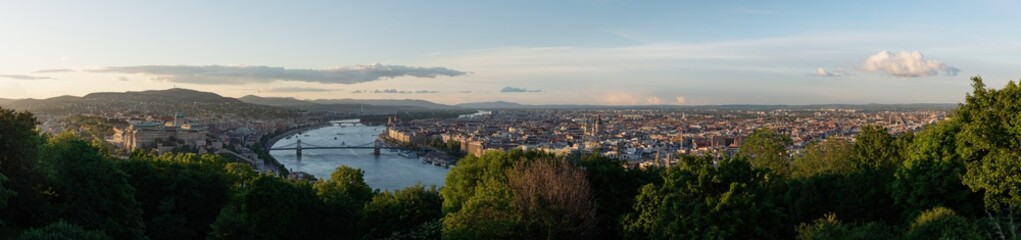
[(988, 140), (273, 208), (874, 147), (401, 211), (488, 214), (19, 160), (4, 193), (614, 188), (471, 172), (829, 227), (942, 223), (90, 190), (181, 195), (824, 228), (767, 149), (827, 156), (345, 195), (62, 230), (931, 175), (553, 198), (477, 197), (698, 200)]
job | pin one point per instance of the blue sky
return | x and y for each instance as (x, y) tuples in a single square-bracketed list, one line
[(589, 52)]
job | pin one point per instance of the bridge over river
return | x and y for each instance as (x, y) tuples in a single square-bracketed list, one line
[(298, 146)]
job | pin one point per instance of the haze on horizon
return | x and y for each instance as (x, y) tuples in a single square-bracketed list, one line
[(533, 52)]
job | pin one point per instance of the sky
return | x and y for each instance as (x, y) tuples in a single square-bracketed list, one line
[(536, 52)]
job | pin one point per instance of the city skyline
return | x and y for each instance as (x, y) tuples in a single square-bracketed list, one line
[(564, 52)]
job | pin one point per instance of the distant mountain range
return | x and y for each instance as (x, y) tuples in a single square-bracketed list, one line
[(182, 99), (5, 101), (274, 101), (387, 102), (491, 105), (346, 104), (153, 101)]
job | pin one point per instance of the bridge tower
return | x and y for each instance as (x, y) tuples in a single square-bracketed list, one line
[(298, 150), (375, 148)]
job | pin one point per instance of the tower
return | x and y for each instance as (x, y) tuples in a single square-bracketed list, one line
[(178, 117)]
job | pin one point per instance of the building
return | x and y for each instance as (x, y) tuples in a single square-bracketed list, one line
[(146, 134)]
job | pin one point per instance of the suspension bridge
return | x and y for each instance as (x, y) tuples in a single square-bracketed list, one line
[(298, 146)]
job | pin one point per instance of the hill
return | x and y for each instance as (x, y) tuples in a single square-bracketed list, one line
[(492, 105), (5, 101), (274, 101), (153, 101), (387, 102)]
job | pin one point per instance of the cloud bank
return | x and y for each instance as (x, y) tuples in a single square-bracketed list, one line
[(22, 77), (906, 64), (295, 89), (61, 70), (218, 74), (518, 90), (395, 91)]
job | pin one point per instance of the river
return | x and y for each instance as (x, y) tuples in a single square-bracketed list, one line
[(388, 171)]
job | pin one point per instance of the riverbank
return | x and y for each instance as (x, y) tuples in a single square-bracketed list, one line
[(390, 170), (273, 139)]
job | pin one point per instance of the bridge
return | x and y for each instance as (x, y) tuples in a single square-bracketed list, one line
[(298, 146)]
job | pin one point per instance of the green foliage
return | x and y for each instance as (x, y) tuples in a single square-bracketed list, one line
[(345, 189), (180, 194), (698, 200), (843, 194), (345, 195), (428, 230), (614, 188), (90, 190), (487, 214), (874, 148), (273, 208), (942, 223), (824, 228), (471, 172), (391, 213), (450, 147), (931, 176), (4, 193), (767, 149), (829, 227), (19, 160), (62, 230), (827, 156), (516, 194), (988, 140)]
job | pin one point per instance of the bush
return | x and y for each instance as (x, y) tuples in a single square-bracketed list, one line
[(942, 223), (61, 231)]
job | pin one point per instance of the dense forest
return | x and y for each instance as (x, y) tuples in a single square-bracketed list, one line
[(958, 179)]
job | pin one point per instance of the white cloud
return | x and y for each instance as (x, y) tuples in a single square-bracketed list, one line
[(54, 71), (681, 100), (22, 77), (217, 74), (518, 90), (906, 64), (822, 72), (395, 91), (654, 100)]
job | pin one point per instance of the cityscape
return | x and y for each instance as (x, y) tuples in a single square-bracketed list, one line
[(510, 120)]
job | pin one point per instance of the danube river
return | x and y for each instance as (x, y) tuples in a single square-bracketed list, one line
[(388, 171)]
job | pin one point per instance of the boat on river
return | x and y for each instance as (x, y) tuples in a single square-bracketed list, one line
[(407, 154)]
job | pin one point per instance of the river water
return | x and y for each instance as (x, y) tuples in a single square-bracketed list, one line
[(388, 171)]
